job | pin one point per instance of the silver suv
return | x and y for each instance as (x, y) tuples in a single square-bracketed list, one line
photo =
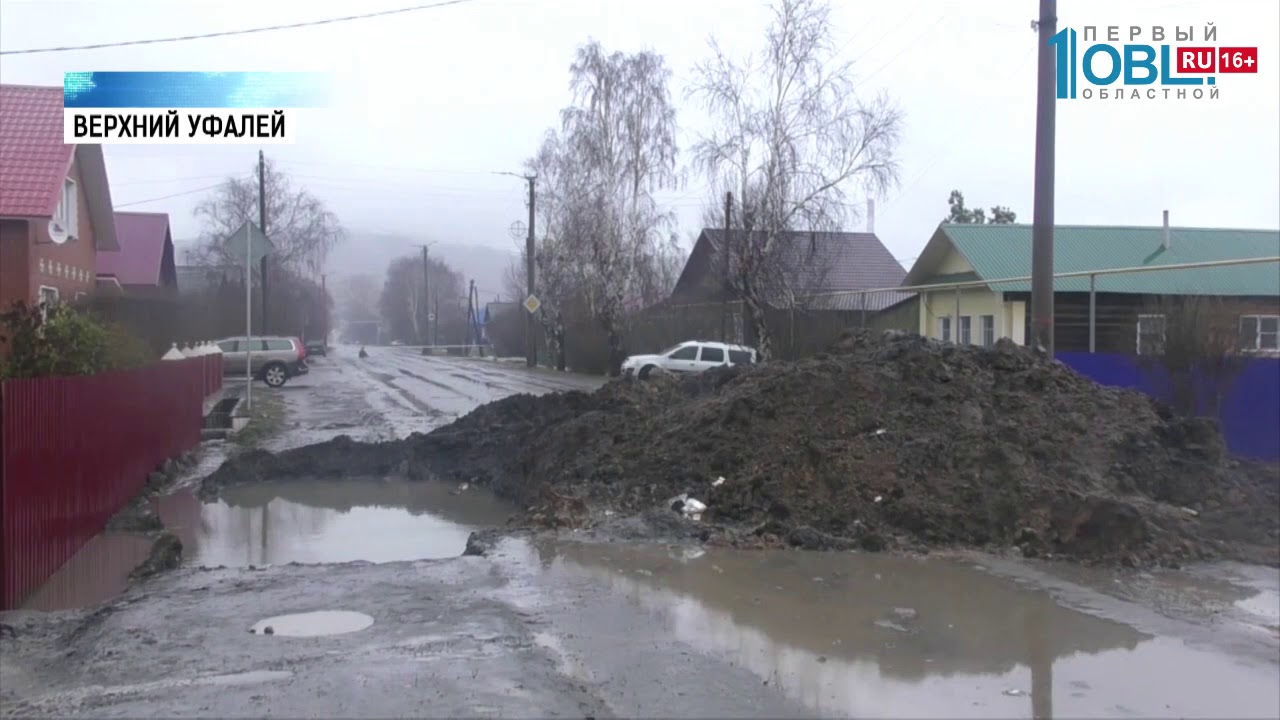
[(275, 359)]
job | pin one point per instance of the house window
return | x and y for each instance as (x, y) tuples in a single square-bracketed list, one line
[(1150, 334), (987, 325), (1260, 333), (66, 213), (966, 330), (944, 329), (48, 298)]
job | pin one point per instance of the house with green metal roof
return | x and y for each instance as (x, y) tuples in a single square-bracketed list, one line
[(976, 286)]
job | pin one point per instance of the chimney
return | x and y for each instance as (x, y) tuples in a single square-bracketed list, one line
[(871, 215), (1165, 242)]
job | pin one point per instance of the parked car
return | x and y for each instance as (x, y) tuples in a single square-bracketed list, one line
[(315, 347), (275, 359), (692, 356)]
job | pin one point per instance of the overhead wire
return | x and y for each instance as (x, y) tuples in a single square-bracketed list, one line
[(193, 191), (245, 31)]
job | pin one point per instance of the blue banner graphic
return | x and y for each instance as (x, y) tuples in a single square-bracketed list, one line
[(195, 90)]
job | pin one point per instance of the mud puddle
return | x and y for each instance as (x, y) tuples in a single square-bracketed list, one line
[(881, 635), (325, 521), (313, 624)]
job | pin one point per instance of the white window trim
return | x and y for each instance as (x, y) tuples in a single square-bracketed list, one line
[(982, 331), (1138, 330), (944, 328), (67, 212), (1256, 347), (960, 330), (57, 298)]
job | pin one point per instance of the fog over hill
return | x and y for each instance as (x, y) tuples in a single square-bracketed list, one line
[(365, 253)]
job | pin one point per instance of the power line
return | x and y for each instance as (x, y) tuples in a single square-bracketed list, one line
[(247, 31), (166, 197), (909, 46)]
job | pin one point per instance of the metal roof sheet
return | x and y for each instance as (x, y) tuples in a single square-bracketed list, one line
[(1003, 251)]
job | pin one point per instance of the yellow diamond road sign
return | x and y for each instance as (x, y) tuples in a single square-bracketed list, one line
[(532, 303)]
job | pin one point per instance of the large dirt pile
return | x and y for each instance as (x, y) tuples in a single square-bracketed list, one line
[(884, 440)]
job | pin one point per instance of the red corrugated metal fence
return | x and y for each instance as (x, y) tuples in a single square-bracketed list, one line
[(74, 450)]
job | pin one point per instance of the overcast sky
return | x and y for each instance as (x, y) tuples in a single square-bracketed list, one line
[(427, 104)]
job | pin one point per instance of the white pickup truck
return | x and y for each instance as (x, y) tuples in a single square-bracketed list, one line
[(689, 357)]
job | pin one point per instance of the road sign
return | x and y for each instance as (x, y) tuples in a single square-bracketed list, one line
[(248, 233), (532, 303)]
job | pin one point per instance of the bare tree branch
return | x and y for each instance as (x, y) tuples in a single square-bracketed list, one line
[(791, 138)]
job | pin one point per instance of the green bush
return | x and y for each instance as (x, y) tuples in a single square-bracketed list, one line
[(58, 340)]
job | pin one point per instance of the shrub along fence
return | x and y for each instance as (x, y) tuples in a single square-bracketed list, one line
[(74, 450)]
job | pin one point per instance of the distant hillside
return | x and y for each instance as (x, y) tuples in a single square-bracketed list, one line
[(372, 253)]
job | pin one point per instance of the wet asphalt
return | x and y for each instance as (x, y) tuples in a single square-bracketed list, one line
[(378, 616)]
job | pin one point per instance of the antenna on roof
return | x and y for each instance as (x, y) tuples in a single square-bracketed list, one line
[(871, 215)]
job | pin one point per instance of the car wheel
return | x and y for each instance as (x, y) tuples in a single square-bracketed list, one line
[(647, 372), (275, 375)]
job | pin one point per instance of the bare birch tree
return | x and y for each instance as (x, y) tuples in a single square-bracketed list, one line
[(301, 228), (792, 137), (617, 148)]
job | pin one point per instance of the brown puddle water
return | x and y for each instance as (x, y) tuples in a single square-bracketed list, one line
[(324, 521), (273, 523), (882, 635)]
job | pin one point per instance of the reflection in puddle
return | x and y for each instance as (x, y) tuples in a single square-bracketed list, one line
[(328, 521), (313, 624), (96, 573), (879, 635)]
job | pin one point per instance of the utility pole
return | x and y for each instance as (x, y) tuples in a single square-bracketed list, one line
[(1042, 221), (262, 225), (530, 328), (435, 304), (324, 290), (426, 294), (531, 344), (471, 314), (724, 255)]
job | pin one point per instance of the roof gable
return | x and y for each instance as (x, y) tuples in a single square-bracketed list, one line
[(34, 162), (145, 244), (1004, 251), (824, 262), (33, 158)]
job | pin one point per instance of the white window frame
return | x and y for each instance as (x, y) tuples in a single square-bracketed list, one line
[(45, 307), (1138, 330), (67, 212), (964, 330), (985, 323), (944, 328), (1256, 346)]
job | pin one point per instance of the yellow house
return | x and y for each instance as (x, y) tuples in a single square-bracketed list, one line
[(965, 294), (974, 314)]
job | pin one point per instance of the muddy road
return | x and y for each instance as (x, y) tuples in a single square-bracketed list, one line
[(374, 611)]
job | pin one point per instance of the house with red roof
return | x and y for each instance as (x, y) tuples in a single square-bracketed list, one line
[(144, 264), (55, 202)]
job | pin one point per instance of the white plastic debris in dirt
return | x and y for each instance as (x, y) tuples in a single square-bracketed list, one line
[(879, 498), (718, 481), (693, 509), (689, 507)]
